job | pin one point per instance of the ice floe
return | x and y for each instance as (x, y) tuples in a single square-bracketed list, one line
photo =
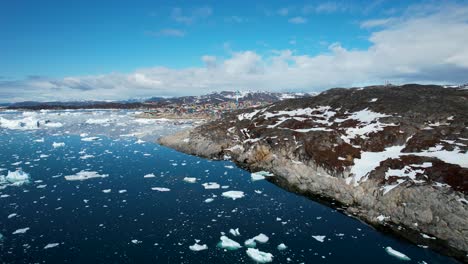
[(319, 238), (14, 178), (198, 247), (58, 144), (21, 231), (281, 247), (85, 175), (234, 232), (233, 194), (228, 243), (190, 179), (259, 256), (160, 189), (396, 254), (51, 245), (211, 185)]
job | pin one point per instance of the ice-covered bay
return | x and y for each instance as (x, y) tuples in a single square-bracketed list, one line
[(128, 202)]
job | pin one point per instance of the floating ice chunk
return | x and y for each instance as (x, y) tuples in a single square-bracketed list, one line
[(250, 243), (233, 194), (209, 200), (58, 144), (282, 246), (160, 189), (14, 178), (21, 231), (235, 232), (136, 241), (396, 254), (151, 175), (98, 121), (41, 186), (228, 243), (89, 139), (190, 180), (319, 238), (84, 175), (259, 256), (197, 247), (122, 191), (53, 124), (260, 175), (41, 140), (261, 238), (11, 215), (106, 191), (87, 156), (51, 245), (211, 185), (139, 141)]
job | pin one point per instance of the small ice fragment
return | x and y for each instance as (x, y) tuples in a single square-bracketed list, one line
[(58, 144), (250, 243), (197, 247), (282, 246), (209, 200), (259, 256), (319, 238), (235, 232), (11, 215), (151, 175), (233, 194), (84, 175), (190, 180), (135, 241), (51, 245), (396, 254), (106, 191), (211, 185), (160, 189), (228, 243), (261, 238), (89, 139), (122, 191), (21, 231)]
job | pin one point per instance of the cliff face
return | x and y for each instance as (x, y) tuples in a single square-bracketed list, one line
[(393, 156)]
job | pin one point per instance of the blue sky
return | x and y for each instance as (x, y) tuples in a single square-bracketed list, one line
[(49, 48)]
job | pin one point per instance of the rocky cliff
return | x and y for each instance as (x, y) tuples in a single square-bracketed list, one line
[(396, 157)]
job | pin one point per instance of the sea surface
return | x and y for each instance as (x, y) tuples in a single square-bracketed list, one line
[(143, 205)]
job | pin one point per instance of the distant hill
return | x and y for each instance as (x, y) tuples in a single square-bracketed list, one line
[(154, 102)]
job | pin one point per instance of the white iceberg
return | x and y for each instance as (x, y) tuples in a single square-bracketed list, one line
[(228, 243), (396, 254), (281, 247), (233, 194), (21, 231), (211, 185), (51, 245), (58, 144), (190, 180), (84, 175), (319, 238), (198, 247), (160, 189), (235, 232), (259, 256)]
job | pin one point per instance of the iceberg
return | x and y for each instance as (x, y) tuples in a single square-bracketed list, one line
[(319, 238), (228, 243), (211, 185), (21, 231), (197, 247), (233, 194), (84, 175), (58, 144), (235, 232), (282, 246), (160, 189), (51, 245), (259, 256), (396, 254), (190, 180)]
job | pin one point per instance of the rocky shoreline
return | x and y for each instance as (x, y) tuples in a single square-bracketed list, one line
[(392, 157)]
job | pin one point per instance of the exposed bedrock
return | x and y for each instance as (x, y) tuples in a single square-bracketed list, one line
[(392, 156)]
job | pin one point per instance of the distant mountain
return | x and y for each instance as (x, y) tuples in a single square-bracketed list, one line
[(228, 96), (213, 98)]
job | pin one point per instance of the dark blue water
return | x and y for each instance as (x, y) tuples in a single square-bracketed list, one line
[(96, 227)]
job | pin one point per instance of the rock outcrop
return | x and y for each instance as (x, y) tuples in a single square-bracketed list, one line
[(396, 157)]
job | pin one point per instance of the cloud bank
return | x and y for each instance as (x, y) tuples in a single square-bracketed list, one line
[(426, 47)]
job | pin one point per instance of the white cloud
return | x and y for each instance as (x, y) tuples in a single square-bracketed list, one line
[(427, 48), (283, 11), (377, 22), (190, 16), (298, 20)]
